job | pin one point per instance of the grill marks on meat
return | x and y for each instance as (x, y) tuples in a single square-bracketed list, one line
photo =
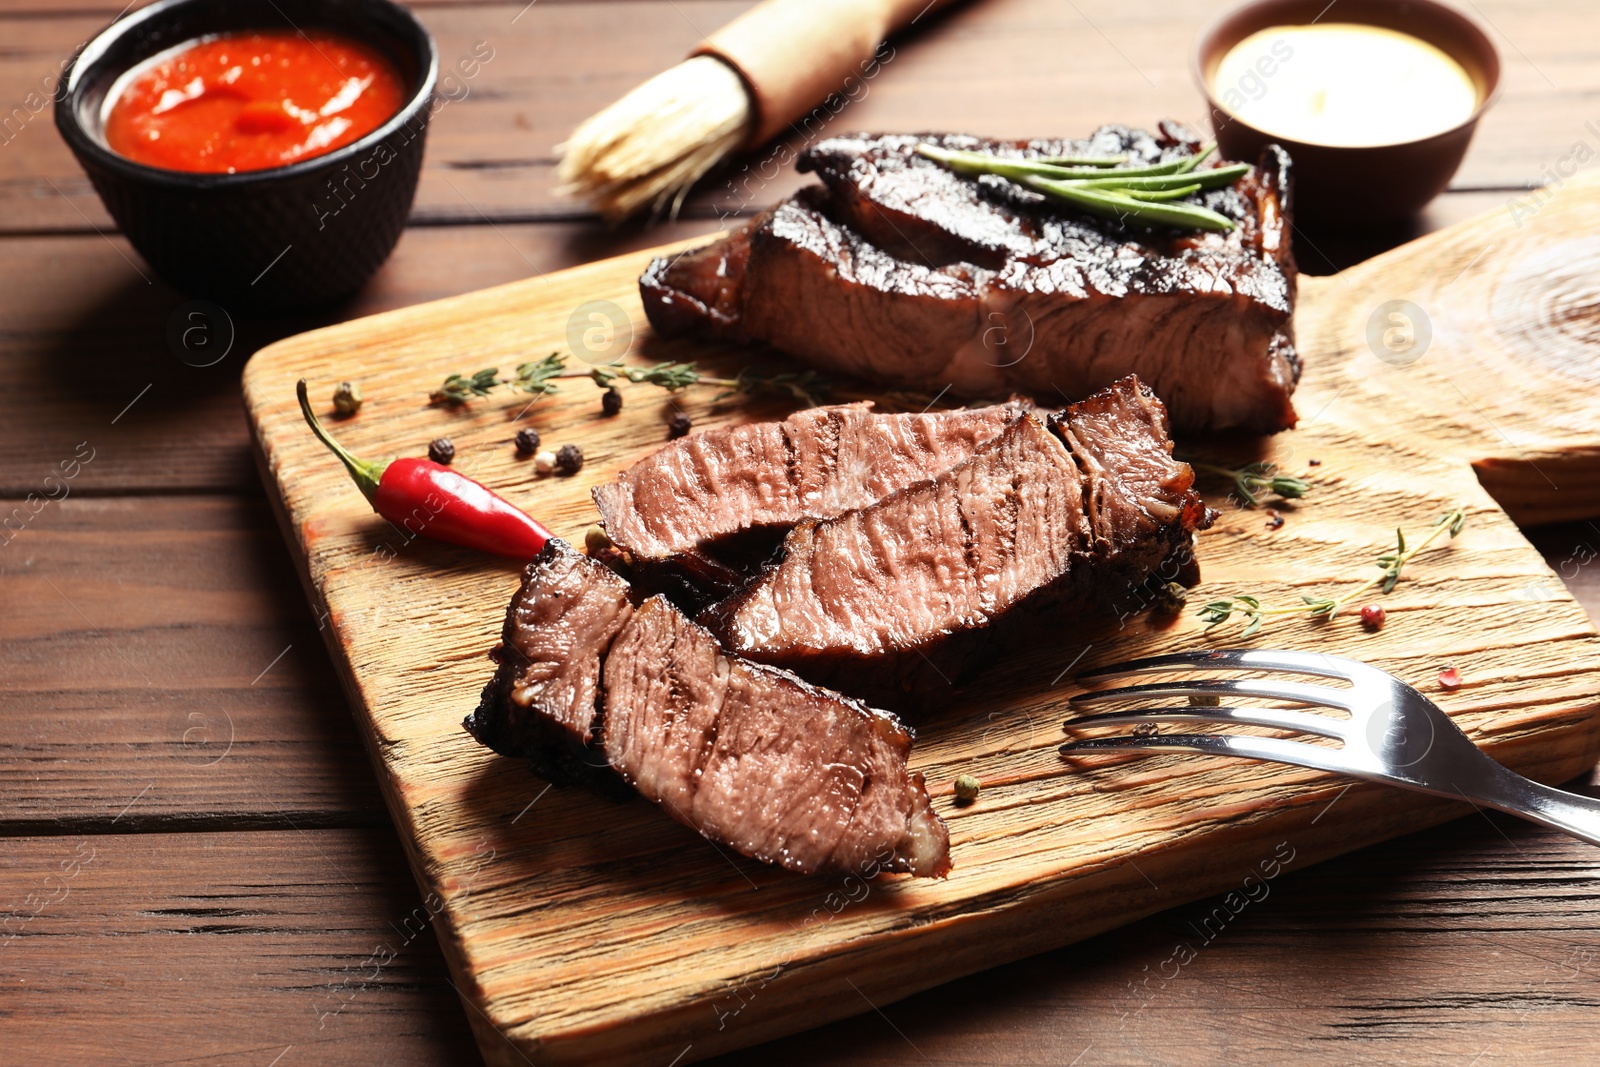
[(684, 512), (908, 594), (543, 698), (897, 270), (752, 757), (757, 759)]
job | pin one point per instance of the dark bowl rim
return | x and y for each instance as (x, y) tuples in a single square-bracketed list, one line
[(83, 143), (1201, 50)]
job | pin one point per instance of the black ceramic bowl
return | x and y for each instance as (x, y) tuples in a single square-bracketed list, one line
[(269, 240)]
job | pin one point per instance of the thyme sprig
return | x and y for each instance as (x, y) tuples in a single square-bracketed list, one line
[(1389, 564), (1257, 478), (540, 377), (669, 376), (1152, 193)]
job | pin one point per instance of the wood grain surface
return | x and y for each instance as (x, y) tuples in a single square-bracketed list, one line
[(1472, 943), (1072, 848)]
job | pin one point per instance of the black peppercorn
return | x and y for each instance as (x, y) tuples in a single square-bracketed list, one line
[(678, 425), (527, 441), (611, 401), (569, 460), (440, 450)]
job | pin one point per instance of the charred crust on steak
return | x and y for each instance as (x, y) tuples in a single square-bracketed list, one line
[(1052, 522), (597, 689), (894, 269)]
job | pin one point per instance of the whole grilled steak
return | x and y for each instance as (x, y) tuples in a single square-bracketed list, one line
[(749, 755), (1042, 524), (694, 514), (900, 271)]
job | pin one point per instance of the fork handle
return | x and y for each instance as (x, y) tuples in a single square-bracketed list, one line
[(1556, 808)]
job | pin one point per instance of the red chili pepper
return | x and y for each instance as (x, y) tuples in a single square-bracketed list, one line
[(424, 497)]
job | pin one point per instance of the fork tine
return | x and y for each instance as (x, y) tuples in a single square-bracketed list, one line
[(1271, 749), (1278, 718), (1239, 659), (1300, 692)]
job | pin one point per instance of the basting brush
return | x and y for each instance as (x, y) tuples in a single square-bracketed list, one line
[(742, 86)]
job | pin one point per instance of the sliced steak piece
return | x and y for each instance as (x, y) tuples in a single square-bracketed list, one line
[(904, 596), (545, 694), (903, 272), (759, 760), (591, 688), (695, 513)]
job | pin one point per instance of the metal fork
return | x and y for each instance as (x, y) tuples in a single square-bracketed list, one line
[(1394, 734)]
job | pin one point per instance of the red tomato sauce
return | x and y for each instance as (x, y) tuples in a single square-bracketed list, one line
[(249, 101)]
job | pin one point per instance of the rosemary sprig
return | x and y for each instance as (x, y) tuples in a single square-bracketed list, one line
[(1151, 193), (1390, 565), (1257, 478)]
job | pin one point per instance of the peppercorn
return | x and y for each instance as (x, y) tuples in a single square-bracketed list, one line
[(440, 450), (1275, 521), (1373, 616), (544, 462), (1314, 462), (967, 788), (347, 398), (611, 401), (1171, 598), (527, 441), (569, 460), (595, 540), (678, 425)]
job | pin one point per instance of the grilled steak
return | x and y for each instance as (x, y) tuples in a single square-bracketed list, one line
[(900, 271), (749, 755), (753, 757), (693, 514), (910, 593)]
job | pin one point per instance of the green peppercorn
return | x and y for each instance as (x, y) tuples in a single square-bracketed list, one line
[(967, 787), (595, 540), (1170, 598), (347, 398)]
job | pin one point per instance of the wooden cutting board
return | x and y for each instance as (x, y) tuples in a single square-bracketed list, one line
[(580, 929)]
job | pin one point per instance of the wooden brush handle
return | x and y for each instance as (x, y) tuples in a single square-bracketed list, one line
[(792, 54)]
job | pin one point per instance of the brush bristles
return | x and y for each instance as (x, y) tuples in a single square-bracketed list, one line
[(653, 144)]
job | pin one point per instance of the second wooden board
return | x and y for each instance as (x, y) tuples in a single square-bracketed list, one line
[(1450, 373)]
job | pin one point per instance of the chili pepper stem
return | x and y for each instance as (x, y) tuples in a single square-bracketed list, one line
[(366, 474)]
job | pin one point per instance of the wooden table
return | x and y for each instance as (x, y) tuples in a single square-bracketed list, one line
[(196, 863)]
